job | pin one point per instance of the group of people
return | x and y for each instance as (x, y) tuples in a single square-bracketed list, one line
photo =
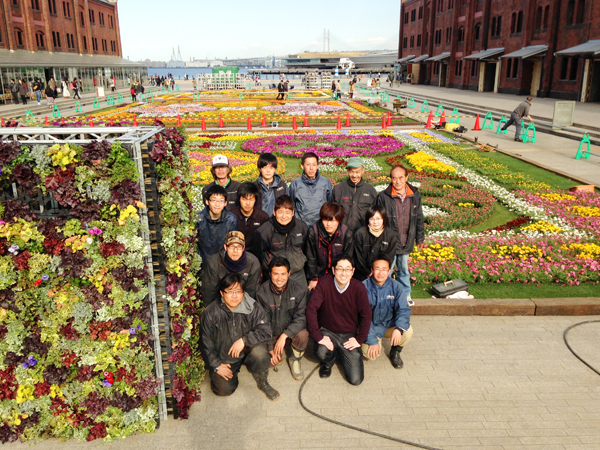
[(282, 89), (282, 264), (50, 90)]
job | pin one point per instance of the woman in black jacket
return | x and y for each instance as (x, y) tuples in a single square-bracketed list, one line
[(373, 239), (327, 238)]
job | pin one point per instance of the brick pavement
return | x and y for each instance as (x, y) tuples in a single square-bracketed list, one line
[(485, 383)]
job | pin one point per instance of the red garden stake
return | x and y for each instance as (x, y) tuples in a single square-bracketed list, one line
[(91, 122), (203, 124), (294, 124), (264, 122), (249, 126), (135, 123), (46, 121), (383, 123), (389, 122), (305, 120), (347, 124), (178, 120)]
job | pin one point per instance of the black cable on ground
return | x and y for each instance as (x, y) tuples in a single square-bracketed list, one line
[(342, 424), (573, 351)]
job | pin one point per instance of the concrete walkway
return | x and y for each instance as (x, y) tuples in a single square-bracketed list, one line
[(468, 383)]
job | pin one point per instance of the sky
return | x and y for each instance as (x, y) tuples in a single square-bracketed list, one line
[(235, 28)]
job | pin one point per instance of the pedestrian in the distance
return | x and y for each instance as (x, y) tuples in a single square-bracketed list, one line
[(14, 90), (37, 90), (75, 87), (65, 88), (23, 91), (517, 116)]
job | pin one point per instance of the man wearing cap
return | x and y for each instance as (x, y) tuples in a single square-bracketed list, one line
[(220, 171), (355, 195), (233, 258)]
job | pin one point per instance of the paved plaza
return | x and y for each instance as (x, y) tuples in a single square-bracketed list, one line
[(485, 383)]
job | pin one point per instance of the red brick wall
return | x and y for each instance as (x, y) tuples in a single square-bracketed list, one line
[(65, 22)]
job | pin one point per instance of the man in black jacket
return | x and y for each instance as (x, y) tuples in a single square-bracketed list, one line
[(280, 91), (235, 331), (284, 301), (248, 212), (355, 195), (233, 258), (402, 202), (221, 172)]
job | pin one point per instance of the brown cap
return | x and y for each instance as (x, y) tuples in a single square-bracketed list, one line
[(235, 237)]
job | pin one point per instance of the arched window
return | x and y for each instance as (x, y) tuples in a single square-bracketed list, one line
[(538, 18), (461, 34), (580, 11), (39, 39), (477, 31), (19, 37), (546, 13), (520, 22), (513, 22), (570, 12)]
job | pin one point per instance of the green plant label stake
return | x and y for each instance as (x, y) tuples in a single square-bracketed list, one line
[(439, 110), (425, 107), (28, 115), (584, 154), (411, 103), (176, 87), (55, 112), (96, 103), (78, 107), (110, 100), (533, 137), (241, 96), (486, 124), (119, 99), (454, 117), (499, 130)]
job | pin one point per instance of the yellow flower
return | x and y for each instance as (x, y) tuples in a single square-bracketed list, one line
[(586, 211), (543, 227), (422, 161)]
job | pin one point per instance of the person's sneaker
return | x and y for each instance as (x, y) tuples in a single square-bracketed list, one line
[(39, 103), (324, 371), (296, 368), (518, 140)]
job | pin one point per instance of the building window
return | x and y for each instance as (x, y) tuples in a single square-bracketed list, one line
[(84, 43), (458, 68), (477, 31), (412, 42), (520, 22), (413, 15), (405, 18), (508, 67), (448, 35), (405, 43), (66, 9), (436, 68), (515, 67), (580, 11), (574, 67), (52, 6), (538, 18), (546, 13), (35, 5), (81, 19), (461, 34), (474, 65), (570, 12), (440, 6), (56, 39), (110, 22), (418, 41), (450, 5), (426, 39), (39, 40), (19, 37), (420, 12), (513, 23), (92, 16), (496, 26), (101, 18), (14, 2), (564, 66), (95, 44)]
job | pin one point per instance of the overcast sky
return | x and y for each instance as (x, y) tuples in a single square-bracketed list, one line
[(235, 28)]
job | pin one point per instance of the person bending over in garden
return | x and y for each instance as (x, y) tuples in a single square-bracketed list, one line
[(235, 330), (517, 116), (310, 190), (283, 235), (338, 315), (402, 201), (284, 301), (213, 223), (355, 195), (327, 239), (371, 240), (233, 258), (248, 214), (221, 171), (391, 313), (270, 185)]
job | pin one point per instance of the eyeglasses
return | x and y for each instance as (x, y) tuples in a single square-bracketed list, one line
[(237, 248), (350, 270), (236, 292), (398, 179), (217, 201)]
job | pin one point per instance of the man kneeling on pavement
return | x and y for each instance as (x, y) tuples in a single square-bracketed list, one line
[(235, 330), (284, 301), (391, 313)]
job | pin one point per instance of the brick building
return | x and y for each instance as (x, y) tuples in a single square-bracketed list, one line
[(544, 48), (68, 38)]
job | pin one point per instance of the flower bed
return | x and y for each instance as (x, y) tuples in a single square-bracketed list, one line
[(424, 137), (328, 164), (301, 108)]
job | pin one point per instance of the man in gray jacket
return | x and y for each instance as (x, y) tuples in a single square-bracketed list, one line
[(235, 332), (284, 301), (355, 195), (310, 191), (517, 116)]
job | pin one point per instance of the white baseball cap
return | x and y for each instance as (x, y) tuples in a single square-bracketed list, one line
[(220, 160)]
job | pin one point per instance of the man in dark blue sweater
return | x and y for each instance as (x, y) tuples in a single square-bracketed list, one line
[(339, 318)]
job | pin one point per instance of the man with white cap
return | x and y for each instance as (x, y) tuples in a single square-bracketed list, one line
[(221, 171), (355, 195)]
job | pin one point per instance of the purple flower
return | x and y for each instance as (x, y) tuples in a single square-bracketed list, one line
[(14, 249), (132, 330), (139, 327), (45, 277), (25, 365), (106, 383)]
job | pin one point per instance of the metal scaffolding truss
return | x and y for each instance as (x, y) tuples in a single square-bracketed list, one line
[(138, 142), (78, 135)]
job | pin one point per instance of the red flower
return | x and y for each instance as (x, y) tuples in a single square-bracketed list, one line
[(38, 282)]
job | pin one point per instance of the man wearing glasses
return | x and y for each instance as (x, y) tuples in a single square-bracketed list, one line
[(339, 317), (235, 330), (233, 258), (391, 313), (213, 223)]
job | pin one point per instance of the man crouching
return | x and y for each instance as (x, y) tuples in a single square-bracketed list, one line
[(235, 331)]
